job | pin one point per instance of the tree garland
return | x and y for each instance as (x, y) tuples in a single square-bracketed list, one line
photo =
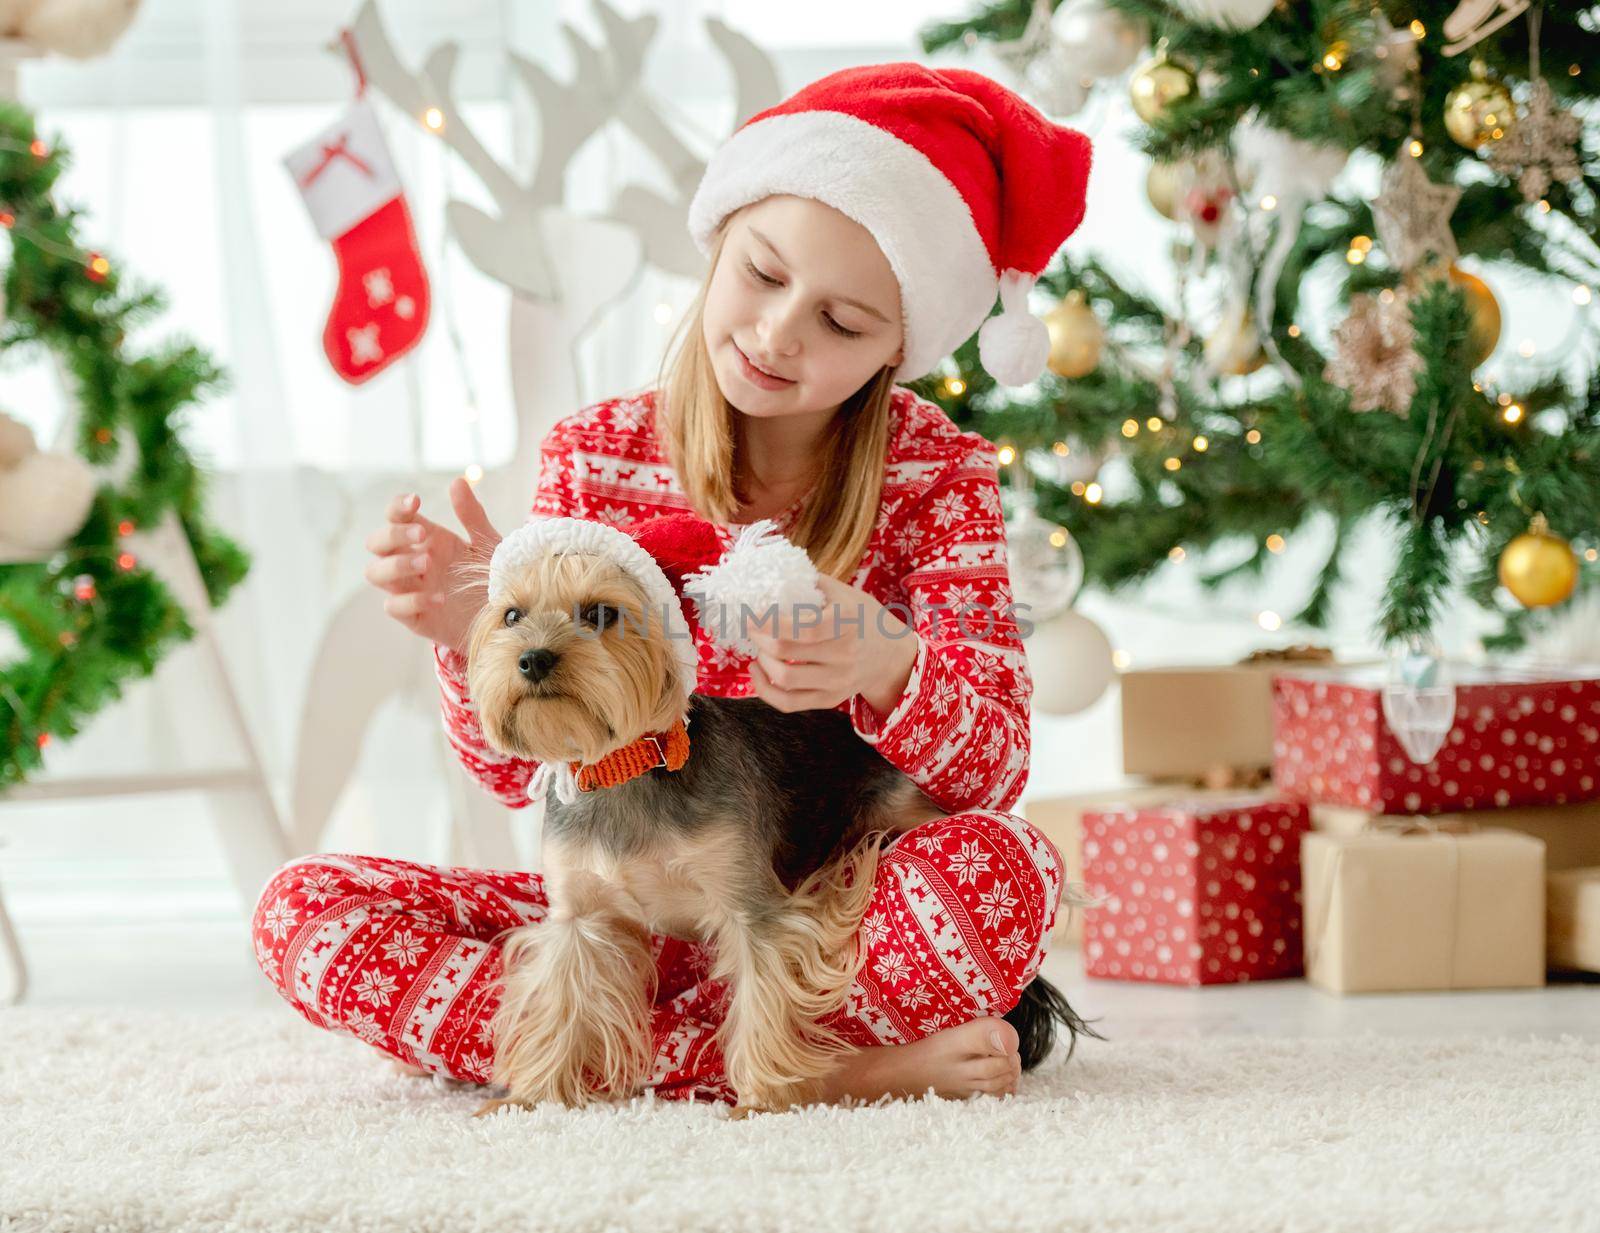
[(90, 618)]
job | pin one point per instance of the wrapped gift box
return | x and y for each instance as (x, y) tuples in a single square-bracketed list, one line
[(1516, 740), (1571, 833), (1179, 723), (1194, 891), (1426, 909), (1061, 819), (1572, 919)]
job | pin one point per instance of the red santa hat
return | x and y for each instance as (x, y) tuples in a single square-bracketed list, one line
[(968, 190), (678, 560)]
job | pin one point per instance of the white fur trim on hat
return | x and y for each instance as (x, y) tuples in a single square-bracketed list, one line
[(919, 219), (539, 536), (761, 570)]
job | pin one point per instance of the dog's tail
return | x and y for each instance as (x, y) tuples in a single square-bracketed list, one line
[(1044, 1008), (1037, 1016)]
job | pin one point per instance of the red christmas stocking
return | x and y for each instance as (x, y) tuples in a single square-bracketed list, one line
[(353, 193)]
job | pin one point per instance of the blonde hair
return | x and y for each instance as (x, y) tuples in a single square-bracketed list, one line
[(702, 446)]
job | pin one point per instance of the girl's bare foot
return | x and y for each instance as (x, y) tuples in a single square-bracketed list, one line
[(958, 1062)]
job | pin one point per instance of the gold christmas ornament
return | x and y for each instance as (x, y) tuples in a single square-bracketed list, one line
[(1479, 110), (1076, 336), (1483, 334), (1164, 185), (1157, 84), (1234, 347), (1538, 567)]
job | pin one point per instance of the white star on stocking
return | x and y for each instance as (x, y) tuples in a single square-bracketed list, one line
[(364, 345), (405, 308), (380, 288)]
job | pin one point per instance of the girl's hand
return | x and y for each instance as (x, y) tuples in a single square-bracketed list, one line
[(415, 560), (804, 665)]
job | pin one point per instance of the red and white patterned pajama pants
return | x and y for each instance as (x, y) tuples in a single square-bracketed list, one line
[(406, 956)]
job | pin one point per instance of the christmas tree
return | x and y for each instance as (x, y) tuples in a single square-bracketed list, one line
[(85, 613), (1176, 428)]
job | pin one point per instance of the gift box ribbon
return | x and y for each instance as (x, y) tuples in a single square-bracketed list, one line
[(1450, 829)]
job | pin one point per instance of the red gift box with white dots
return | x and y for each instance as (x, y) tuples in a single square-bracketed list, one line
[(1194, 892), (1515, 741)]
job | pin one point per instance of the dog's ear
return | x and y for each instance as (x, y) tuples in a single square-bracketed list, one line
[(471, 573)]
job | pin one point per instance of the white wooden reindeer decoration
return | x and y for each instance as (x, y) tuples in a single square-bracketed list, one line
[(564, 270)]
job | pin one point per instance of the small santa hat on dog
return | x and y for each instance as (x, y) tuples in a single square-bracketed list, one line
[(679, 562), (967, 189)]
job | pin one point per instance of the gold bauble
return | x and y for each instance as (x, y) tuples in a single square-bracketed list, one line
[(1234, 348), (1483, 334), (1157, 84), (1076, 336), (1163, 185), (1479, 110), (1539, 568)]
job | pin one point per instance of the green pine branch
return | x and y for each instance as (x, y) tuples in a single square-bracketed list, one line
[(81, 651)]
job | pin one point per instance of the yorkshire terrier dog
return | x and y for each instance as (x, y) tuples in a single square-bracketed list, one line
[(705, 818)]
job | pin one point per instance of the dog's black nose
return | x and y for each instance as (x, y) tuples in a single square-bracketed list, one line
[(536, 665)]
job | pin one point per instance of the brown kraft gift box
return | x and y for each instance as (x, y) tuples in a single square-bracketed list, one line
[(1181, 723), (1571, 833), (1572, 934), (1387, 910)]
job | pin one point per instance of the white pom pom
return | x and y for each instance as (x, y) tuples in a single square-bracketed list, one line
[(1014, 346), (44, 500), (760, 571)]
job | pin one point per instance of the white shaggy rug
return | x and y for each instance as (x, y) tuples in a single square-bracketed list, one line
[(153, 1121)]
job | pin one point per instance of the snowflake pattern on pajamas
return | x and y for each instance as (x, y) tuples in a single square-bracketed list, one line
[(357, 960), (937, 557)]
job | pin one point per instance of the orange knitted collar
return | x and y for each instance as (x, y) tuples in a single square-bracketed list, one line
[(669, 749)]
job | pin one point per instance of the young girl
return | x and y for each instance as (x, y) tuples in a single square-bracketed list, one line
[(857, 234)]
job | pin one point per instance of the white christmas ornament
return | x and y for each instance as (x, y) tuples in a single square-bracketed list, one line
[(1229, 14), (1094, 40), (1046, 562), (1054, 84), (1419, 699), (16, 441), (1070, 659), (81, 29), (1274, 163), (1293, 173), (44, 498)]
